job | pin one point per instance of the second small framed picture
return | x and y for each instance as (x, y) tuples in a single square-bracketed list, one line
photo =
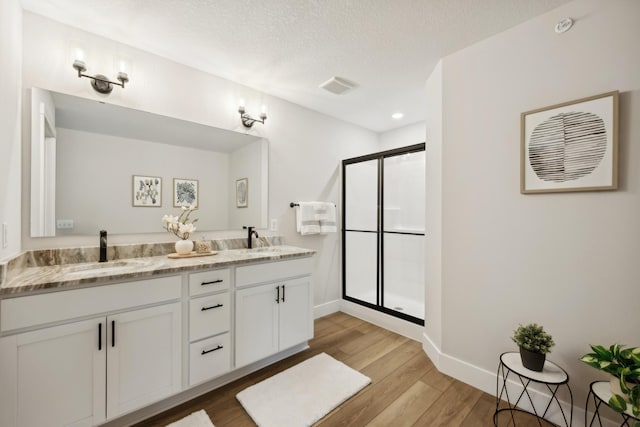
[(242, 192), (185, 192)]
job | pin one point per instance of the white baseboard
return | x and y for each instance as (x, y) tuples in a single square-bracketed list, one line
[(399, 326), (486, 381), (326, 308)]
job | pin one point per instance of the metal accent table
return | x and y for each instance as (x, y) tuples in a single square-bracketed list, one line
[(552, 376), (600, 392)]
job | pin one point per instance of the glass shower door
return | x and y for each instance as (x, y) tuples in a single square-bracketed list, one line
[(361, 231), (383, 235), (402, 236)]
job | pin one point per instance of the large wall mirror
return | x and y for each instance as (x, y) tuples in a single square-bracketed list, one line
[(100, 166)]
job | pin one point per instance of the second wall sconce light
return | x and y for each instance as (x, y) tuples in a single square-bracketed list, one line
[(99, 82), (247, 120)]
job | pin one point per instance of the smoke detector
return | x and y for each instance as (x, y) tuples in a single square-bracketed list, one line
[(338, 85)]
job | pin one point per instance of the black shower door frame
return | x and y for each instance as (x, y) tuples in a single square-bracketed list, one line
[(379, 306)]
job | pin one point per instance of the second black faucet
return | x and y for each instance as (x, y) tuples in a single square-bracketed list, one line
[(250, 233)]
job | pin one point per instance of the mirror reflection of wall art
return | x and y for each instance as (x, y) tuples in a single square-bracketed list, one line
[(242, 193), (571, 146), (147, 191), (185, 192)]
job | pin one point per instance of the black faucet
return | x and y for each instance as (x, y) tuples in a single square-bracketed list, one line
[(250, 233), (103, 246)]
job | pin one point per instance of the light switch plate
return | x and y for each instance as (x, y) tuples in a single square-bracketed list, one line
[(274, 224)]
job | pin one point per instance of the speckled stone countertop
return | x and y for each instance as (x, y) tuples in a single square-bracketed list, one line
[(48, 277)]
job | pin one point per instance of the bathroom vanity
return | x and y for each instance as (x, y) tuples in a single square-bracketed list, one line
[(83, 344)]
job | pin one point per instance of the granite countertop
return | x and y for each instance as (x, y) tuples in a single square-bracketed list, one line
[(34, 279)]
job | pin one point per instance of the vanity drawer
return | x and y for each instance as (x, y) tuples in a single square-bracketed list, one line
[(209, 358), (209, 281), (269, 272), (208, 316)]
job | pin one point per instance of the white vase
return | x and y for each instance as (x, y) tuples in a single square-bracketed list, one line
[(184, 247)]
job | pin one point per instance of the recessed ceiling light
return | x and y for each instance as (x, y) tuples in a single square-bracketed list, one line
[(397, 116)]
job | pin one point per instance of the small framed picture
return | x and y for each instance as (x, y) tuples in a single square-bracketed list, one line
[(242, 192), (185, 192), (571, 146), (146, 191)]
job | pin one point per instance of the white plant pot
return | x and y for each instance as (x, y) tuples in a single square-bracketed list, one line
[(184, 247)]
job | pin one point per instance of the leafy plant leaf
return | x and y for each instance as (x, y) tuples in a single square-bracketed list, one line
[(617, 403)]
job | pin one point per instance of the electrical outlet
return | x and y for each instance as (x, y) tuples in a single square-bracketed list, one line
[(274, 224), (64, 224), (5, 235)]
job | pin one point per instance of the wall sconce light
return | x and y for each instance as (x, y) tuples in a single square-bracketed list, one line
[(247, 120), (99, 82)]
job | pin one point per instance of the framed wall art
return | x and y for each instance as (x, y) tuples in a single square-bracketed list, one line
[(147, 191), (242, 193), (571, 146), (185, 192)]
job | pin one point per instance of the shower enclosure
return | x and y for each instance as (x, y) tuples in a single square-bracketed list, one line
[(383, 199)]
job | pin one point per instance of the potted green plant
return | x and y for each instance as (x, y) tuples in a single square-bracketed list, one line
[(623, 364), (534, 345)]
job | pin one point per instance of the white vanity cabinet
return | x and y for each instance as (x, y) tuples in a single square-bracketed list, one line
[(57, 376), (209, 325), (143, 357), (82, 372), (275, 315)]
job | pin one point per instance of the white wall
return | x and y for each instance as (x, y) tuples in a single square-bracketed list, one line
[(568, 261), (96, 170), (10, 129), (247, 162), (305, 147), (401, 137)]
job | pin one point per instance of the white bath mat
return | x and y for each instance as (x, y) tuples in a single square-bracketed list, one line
[(301, 395), (197, 419)]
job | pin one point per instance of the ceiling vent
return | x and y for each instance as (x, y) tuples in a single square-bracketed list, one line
[(338, 85)]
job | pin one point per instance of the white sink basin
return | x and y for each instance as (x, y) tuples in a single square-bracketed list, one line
[(263, 251), (102, 268)]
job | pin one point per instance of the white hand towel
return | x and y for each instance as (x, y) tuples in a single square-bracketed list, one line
[(327, 217), (306, 222)]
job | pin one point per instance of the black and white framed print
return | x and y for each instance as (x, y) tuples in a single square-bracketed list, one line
[(146, 191), (185, 192), (242, 193), (571, 146)]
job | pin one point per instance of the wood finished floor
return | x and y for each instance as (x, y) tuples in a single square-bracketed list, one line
[(406, 389)]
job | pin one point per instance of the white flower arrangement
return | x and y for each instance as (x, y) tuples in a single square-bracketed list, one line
[(180, 225)]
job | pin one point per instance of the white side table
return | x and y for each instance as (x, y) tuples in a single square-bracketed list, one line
[(600, 392), (552, 376)]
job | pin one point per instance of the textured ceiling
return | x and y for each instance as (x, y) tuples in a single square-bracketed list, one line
[(287, 48)]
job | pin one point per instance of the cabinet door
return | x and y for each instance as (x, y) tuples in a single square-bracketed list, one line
[(296, 312), (143, 357), (54, 376), (256, 323)]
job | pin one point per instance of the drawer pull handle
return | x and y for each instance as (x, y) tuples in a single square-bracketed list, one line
[(211, 307), (113, 333), (211, 283), (100, 336), (278, 294), (282, 293), (219, 347)]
